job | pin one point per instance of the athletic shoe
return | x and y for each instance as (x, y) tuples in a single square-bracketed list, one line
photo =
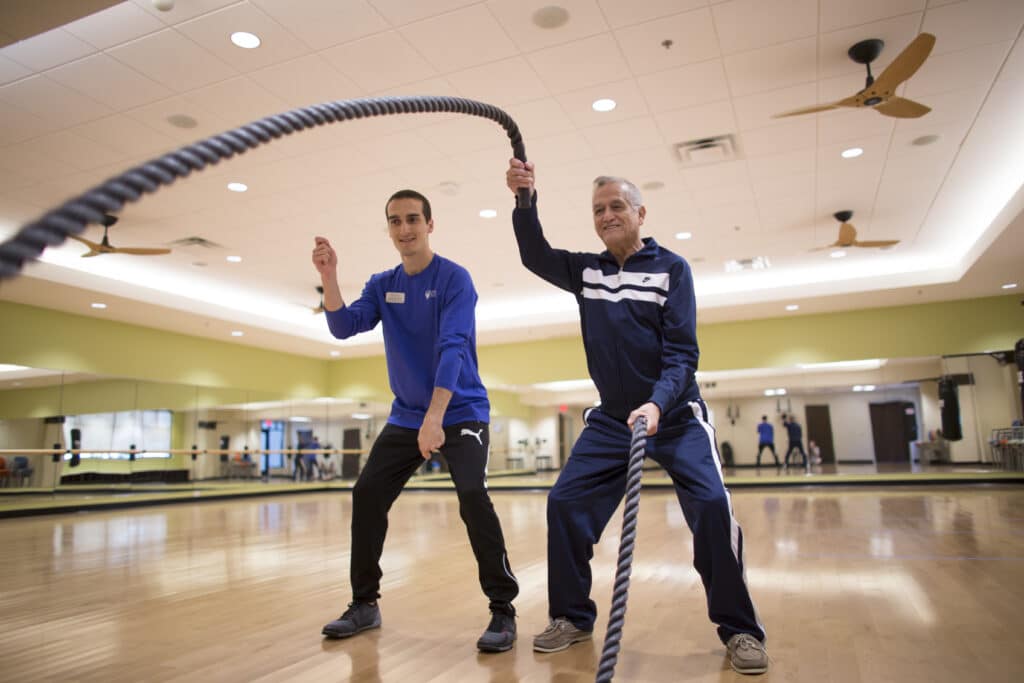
[(360, 616), (747, 654), (500, 634), (559, 635)]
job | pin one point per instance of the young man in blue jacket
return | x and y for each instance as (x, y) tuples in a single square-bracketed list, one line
[(766, 439), (426, 305), (638, 317)]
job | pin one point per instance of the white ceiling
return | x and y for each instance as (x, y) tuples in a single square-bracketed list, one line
[(87, 100)]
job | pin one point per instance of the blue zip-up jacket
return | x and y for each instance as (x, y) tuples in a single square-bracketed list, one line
[(429, 339), (766, 433), (639, 322)]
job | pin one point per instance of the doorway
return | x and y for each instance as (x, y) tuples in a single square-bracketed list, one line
[(893, 427), (819, 430)]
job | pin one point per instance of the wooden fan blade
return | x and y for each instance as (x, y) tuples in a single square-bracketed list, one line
[(139, 251), (902, 108), (92, 245), (807, 110), (906, 63), (93, 252), (876, 243), (847, 235)]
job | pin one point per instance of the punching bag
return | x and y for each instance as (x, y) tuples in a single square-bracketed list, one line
[(1018, 354), (949, 406)]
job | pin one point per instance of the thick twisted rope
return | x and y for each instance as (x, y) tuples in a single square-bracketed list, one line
[(617, 616), (53, 227)]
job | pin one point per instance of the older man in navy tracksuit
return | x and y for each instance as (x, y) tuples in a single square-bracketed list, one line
[(638, 317)]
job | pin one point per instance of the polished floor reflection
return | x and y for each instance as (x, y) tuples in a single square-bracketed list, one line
[(898, 584)]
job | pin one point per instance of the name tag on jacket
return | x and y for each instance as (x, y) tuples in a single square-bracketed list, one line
[(394, 297)]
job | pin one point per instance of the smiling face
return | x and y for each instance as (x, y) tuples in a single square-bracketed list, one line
[(616, 220), (408, 227)]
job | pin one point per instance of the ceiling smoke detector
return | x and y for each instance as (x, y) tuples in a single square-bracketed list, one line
[(196, 242), (706, 150), (551, 16), (755, 263)]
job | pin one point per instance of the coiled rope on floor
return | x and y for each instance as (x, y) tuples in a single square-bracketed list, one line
[(617, 615), (70, 218)]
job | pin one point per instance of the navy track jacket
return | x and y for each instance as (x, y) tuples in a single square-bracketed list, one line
[(639, 322)]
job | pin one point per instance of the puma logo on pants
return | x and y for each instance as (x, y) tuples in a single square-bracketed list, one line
[(475, 435)]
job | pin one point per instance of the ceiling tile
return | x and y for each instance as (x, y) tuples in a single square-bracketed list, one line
[(853, 125), (798, 162), (125, 135), (693, 40), (306, 80), (155, 116), (897, 33), (969, 24), (685, 87), (465, 134), (192, 66), (771, 68), (213, 32), (182, 11), (629, 103), (500, 83), (576, 65), (47, 50), (728, 173), (10, 70), (976, 66), (480, 39), (392, 151), (756, 111), (323, 23), (107, 79), (380, 61), (559, 150), (790, 134), (52, 101), (117, 24), (20, 124), (622, 136), (785, 202), (694, 123), (540, 118), (621, 13), (399, 12), (836, 14), (237, 100), (585, 19), (749, 24)]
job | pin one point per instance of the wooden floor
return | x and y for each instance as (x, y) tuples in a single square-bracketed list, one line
[(894, 584)]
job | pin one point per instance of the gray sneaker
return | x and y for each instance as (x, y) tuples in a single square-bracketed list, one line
[(747, 654), (559, 635), (359, 616)]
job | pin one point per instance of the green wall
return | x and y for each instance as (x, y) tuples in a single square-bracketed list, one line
[(173, 365)]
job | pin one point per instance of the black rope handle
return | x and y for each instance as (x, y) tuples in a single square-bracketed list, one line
[(56, 225), (617, 615)]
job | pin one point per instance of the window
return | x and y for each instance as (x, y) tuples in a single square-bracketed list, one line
[(112, 435)]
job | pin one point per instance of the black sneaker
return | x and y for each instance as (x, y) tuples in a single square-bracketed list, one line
[(360, 616), (500, 634)]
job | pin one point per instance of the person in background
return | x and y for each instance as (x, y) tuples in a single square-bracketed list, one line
[(796, 435), (766, 439)]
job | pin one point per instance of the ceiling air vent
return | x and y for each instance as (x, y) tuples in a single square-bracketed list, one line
[(706, 150), (196, 242)]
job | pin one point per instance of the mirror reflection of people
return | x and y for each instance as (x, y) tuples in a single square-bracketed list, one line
[(766, 439), (639, 325), (796, 435), (426, 306)]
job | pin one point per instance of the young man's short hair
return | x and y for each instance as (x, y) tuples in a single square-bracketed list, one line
[(409, 194)]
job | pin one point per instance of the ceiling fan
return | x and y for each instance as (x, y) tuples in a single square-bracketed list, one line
[(319, 309), (879, 94), (104, 246), (848, 235)]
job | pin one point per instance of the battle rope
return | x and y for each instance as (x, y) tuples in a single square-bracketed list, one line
[(71, 218), (617, 616)]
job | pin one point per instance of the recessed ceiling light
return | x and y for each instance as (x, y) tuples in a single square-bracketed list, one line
[(238, 187), (852, 153), (98, 305), (684, 235), (838, 253), (245, 39), (4, 367), (335, 354), (1010, 285), (551, 16), (869, 387), (237, 333), (488, 213), (653, 185), (793, 307), (182, 121), (603, 104), (361, 416), (199, 264), (234, 259)]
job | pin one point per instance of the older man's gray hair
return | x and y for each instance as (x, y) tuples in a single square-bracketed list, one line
[(633, 195)]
